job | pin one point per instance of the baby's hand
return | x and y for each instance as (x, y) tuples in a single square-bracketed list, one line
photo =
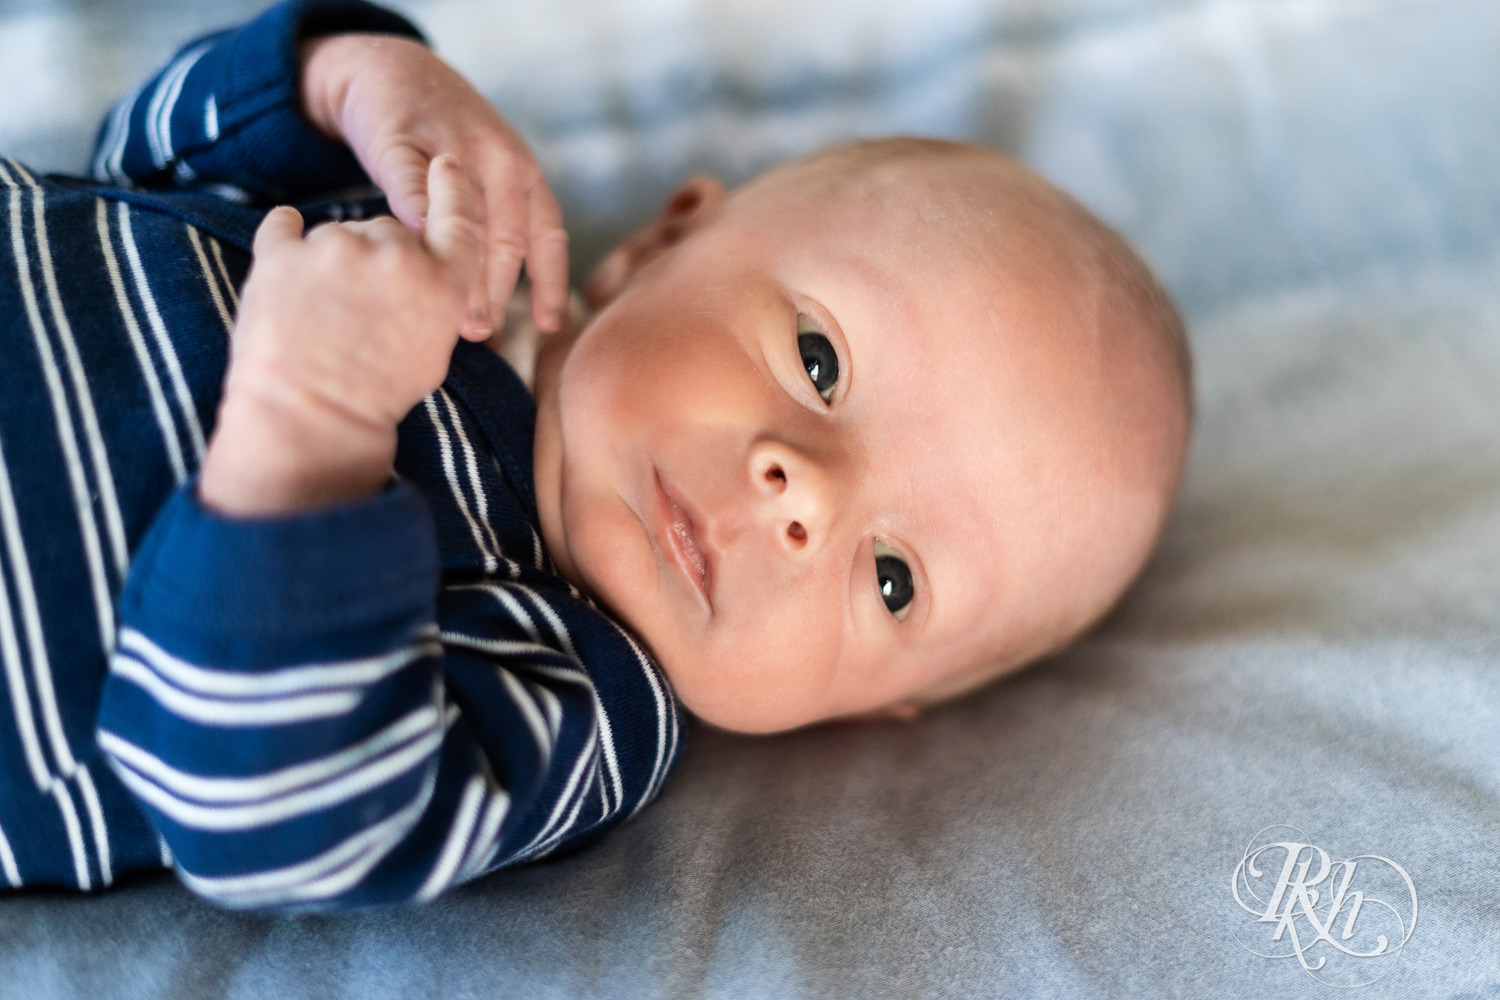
[(398, 106), (339, 334)]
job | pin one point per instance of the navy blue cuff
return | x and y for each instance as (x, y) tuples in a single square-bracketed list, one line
[(262, 141), (296, 588)]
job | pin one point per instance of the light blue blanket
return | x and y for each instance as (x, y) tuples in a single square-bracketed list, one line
[(1292, 726)]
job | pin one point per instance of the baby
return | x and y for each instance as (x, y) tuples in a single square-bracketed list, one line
[(879, 426)]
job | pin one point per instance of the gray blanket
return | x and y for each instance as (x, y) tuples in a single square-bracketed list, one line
[(1290, 730)]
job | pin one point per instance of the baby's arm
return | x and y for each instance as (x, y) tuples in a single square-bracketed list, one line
[(225, 110), (316, 96), (282, 700)]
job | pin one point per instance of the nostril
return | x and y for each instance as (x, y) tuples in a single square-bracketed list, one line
[(797, 532), (775, 475)]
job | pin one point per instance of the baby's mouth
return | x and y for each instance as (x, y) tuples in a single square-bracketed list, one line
[(679, 536)]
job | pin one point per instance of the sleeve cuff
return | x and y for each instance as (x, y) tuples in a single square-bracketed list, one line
[(291, 588)]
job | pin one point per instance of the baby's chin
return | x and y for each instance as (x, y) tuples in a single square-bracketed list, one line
[(739, 707), (767, 720)]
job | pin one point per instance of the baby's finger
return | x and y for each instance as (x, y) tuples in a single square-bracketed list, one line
[(379, 229), (479, 324), (547, 260), (505, 239), (453, 232), (282, 225), (402, 174)]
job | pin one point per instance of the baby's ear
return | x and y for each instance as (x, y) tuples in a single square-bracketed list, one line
[(689, 207)]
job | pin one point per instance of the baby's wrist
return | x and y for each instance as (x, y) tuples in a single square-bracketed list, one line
[(331, 69), (273, 455), (323, 81)]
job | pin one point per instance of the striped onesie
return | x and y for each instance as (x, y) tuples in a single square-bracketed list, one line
[(349, 707)]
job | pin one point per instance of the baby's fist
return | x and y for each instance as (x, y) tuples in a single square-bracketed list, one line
[(340, 333)]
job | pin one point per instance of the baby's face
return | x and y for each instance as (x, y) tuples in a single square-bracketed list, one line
[(825, 459)]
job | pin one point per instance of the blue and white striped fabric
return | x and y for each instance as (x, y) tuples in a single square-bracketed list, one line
[(360, 705)]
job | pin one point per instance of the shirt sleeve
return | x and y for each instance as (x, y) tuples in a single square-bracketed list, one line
[(283, 704), (224, 112)]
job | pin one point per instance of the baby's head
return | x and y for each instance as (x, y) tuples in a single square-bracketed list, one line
[(881, 425)]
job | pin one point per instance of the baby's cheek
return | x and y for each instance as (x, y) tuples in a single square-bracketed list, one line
[(767, 667)]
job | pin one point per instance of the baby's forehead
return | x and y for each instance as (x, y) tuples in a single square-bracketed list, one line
[(949, 187), (972, 230)]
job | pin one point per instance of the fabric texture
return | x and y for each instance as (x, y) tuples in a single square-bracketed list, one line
[(1318, 183), (359, 705)]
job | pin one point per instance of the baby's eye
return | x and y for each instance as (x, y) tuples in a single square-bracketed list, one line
[(894, 579), (818, 357)]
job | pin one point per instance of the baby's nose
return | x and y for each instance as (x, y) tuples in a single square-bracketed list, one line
[(794, 493)]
